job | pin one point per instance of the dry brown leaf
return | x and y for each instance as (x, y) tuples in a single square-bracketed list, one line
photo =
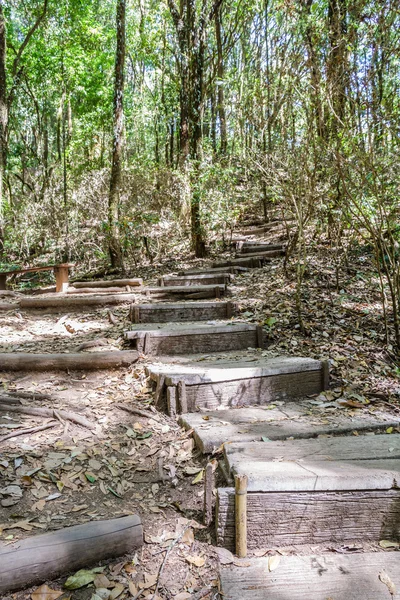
[(188, 537), (45, 593), (384, 577), (225, 557), (273, 562), (117, 591), (197, 561), (183, 596)]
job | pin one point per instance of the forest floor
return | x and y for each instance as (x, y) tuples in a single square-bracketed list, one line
[(67, 475)]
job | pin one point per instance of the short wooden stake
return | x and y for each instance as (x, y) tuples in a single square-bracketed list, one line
[(183, 408), (208, 494), (62, 282), (171, 401), (159, 390), (325, 374), (260, 341), (241, 515), (229, 310), (217, 292), (147, 343)]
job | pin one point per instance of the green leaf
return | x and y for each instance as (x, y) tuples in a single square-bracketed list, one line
[(81, 578), (90, 477), (265, 439)]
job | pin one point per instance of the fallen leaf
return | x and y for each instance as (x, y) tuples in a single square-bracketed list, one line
[(225, 557), (81, 578), (384, 577), (198, 477), (117, 591), (45, 593), (188, 537), (273, 562), (388, 544), (197, 561), (183, 596)]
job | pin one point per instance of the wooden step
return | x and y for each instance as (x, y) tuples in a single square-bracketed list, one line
[(234, 384), (183, 311), (324, 577), (300, 419), (211, 271), (249, 262), (196, 280), (108, 283), (314, 491), (263, 254), (251, 248), (198, 292), (182, 338)]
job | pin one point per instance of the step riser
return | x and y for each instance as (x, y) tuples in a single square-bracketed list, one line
[(283, 519), (260, 248), (188, 312), (256, 391), (197, 343), (184, 281)]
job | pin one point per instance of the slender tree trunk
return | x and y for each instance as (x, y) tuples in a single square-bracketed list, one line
[(220, 87), (3, 122), (118, 125)]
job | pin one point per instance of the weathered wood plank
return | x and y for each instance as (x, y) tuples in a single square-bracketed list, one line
[(196, 280), (180, 311), (43, 557), (179, 338), (335, 576), (293, 420), (108, 283), (286, 518)]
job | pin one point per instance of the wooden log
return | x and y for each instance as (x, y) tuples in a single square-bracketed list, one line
[(68, 302), (6, 306), (137, 282), (357, 576), (171, 401), (21, 361), (182, 397), (196, 280), (43, 557), (179, 338), (61, 273), (181, 311), (241, 515)]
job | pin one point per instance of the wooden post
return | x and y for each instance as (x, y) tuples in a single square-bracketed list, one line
[(241, 515), (147, 343), (62, 282), (171, 401), (325, 374), (208, 492), (217, 292), (159, 390), (3, 281), (260, 341), (182, 397), (229, 310)]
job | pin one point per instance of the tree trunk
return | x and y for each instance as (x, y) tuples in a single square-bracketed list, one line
[(114, 247), (220, 85), (3, 122)]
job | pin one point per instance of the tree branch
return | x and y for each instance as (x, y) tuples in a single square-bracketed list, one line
[(28, 36), (214, 9), (174, 12)]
